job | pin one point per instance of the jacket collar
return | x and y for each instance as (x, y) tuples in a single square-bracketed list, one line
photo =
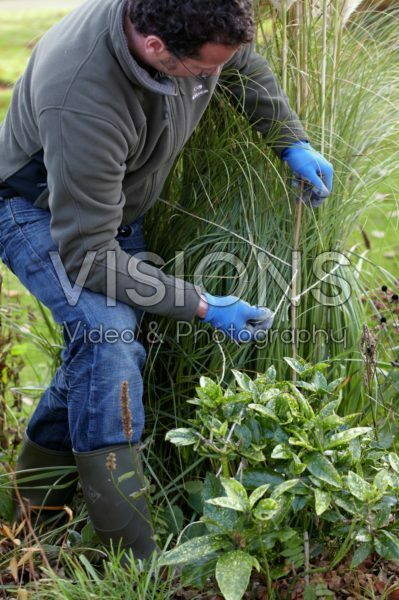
[(132, 69)]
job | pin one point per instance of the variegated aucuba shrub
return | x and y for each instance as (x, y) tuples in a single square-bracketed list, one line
[(296, 480)]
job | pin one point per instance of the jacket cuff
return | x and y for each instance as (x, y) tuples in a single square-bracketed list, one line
[(285, 150), (284, 142), (192, 298)]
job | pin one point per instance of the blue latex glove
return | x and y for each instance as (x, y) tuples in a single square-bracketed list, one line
[(238, 319), (312, 168)]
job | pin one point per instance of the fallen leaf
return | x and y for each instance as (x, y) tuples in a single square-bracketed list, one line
[(7, 531), (335, 582), (28, 554), (13, 566), (20, 527), (69, 513), (379, 586)]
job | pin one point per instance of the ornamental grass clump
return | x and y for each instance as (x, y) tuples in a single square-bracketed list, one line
[(229, 210), (300, 484)]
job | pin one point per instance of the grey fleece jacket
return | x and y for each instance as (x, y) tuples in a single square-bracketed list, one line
[(110, 134)]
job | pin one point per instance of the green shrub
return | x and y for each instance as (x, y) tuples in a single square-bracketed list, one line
[(295, 474)]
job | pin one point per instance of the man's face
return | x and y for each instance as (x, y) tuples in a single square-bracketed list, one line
[(150, 51), (210, 61)]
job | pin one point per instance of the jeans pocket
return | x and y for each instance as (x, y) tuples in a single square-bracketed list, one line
[(24, 212)]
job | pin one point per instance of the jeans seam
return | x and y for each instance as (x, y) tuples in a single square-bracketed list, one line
[(91, 428)]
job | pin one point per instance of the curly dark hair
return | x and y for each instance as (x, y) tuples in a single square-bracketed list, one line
[(186, 25)]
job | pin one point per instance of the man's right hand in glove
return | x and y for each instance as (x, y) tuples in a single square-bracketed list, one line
[(238, 319)]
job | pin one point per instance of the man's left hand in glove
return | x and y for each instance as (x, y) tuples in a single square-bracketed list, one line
[(312, 168)]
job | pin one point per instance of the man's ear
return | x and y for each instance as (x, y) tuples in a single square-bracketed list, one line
[(154, 46)]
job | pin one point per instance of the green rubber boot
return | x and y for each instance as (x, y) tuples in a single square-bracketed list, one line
[(46, 479), (115, 515)]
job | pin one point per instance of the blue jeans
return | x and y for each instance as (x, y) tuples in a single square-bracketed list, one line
[(81, 408)]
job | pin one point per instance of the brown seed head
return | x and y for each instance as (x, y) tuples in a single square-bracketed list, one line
[(368, 350), (110, 461), (126, 413)]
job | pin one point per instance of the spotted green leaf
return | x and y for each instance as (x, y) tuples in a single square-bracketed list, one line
[(233, 572), (300, 440), (265, 509), (235, 490), (194, 549), (207, 382), (303, 403), (253, 454), (283, 487), (209, 392), (271, 373), (265, 411), (219, 518), (296, 466), (257, 494), (319, 381), (319, 466), (330, 408), (382, 516), (334, 384), (183, 436), (226, 502), (359, 487), (322, 501), (383, 480), (394, 461), (361, 553), (269, 394), (281, 451), (387, 545), (348, 504), (244, 381), (343, 437), (126, 476), (296, 365), (363, 535)]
